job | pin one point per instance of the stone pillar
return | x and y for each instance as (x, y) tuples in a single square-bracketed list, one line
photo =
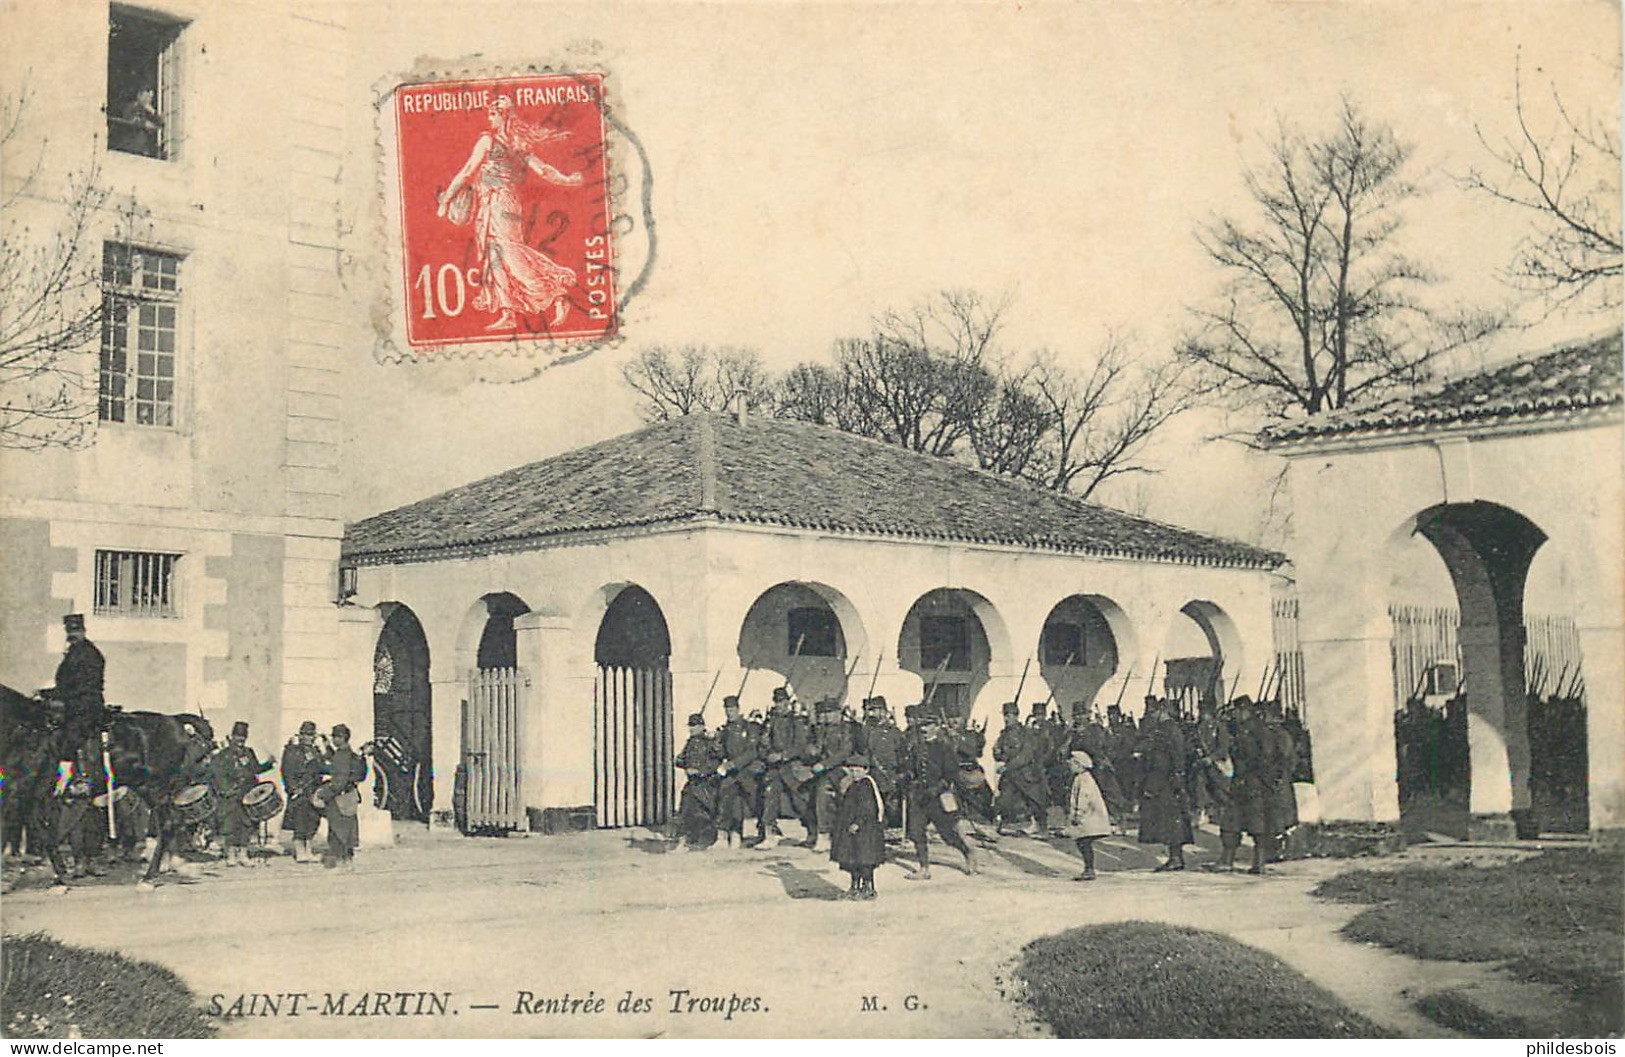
[(1351, 723), (558, 763), (1489, 734), (448, 694), (1603, 648), (358, 629)]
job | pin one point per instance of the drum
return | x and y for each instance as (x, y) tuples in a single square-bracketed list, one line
[(119, 793), (196, 804), (262, 802)]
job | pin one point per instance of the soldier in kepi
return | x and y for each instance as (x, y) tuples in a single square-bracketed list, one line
[(930, 767), (79, 689), (303, 765), (697, 810), (784, 786), (1022, 794), (740, 772), (834, 740), (237, 769), (883, 743)]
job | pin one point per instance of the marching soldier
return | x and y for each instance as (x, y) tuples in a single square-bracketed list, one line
[(784, 742), (975, 794), (1019, 752), (1164, 814), (340, 799), (237, 769), (740, 773), (835, 738), (1263, 754), (930, 767), (697, 811), (883, 742), (1053, 738), (303, 766)]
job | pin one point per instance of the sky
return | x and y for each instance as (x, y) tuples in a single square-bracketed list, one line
[(812, 165)]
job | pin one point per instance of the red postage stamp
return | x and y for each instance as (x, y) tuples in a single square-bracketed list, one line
[(505, 210)]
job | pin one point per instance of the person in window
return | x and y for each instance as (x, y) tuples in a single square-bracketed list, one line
[(515, 278), (137, 126)]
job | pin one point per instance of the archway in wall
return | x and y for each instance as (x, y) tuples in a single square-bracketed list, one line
[(1201, 651), (946, 641), (499, 644), (402, 715), (633, 723), (1488, 549), (806, 636), (1079, 649)]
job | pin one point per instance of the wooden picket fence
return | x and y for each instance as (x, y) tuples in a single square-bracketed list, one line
[(633, 777), (493, 748)]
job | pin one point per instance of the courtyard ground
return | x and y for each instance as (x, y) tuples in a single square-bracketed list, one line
[(483, 922)]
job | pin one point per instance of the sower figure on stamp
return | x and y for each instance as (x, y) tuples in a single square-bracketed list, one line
[(857, 840), (784, 742), (740, 772), (516, 278), (697, 809), (340, 799), (303, 766), (237, 769), (930, 766), (1164, 815)]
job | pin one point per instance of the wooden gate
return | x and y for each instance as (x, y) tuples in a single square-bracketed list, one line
[(632, 747), (493, 748)]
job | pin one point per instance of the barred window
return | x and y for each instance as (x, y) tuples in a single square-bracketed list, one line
[(142, 95), (140, 305), (136, 584)]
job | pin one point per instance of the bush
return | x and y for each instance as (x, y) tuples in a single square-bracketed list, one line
[(53, 990)]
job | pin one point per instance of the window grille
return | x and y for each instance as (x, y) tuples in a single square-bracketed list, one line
[(136, 584), (140, 308)]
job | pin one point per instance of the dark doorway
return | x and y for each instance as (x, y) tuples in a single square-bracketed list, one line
[(401, 716)]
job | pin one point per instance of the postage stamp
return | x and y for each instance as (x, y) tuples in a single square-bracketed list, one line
[(506, 221)]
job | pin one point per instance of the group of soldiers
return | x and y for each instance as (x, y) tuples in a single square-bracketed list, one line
[(320, 782), (1234, 763)]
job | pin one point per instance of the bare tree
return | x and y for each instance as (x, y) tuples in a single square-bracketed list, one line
[(678, 381), (1100, 421), (50, 304), (1567, 176), (1320, 307)]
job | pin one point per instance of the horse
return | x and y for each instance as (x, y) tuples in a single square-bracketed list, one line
[(155, 755)]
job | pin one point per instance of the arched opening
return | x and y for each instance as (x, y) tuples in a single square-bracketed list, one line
[(1082, 645), (499, 644), (633, 723), (402, 714), (1487, 550), (948, 640), (807, 635), (1202, 651)]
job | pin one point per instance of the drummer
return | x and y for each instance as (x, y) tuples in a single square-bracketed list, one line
[(236, 771), (303, 766)]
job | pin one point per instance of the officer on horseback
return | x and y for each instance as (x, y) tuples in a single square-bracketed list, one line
[(79, 688)]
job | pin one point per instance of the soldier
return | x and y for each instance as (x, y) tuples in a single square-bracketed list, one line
[(784, 742), (834, 739), (340, 799), (1164, 814), (697, 811), (883, 744), (1053, 738), (79, 681), (930, 767), (740, 772), (1019, 752), (236, 770), (303, 766), (1263, 755), (971, 785)]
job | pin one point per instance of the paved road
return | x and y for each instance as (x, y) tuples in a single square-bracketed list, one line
[(762, 935)]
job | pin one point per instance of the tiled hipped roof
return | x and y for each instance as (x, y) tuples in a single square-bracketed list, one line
[(1571, 379), (708, 467)]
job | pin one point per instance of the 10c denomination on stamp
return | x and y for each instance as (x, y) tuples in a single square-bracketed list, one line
[(505, 211)]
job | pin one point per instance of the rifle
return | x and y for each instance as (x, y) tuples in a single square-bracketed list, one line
[(740, 693), (847, 682), (1121, 690), (707, 702), (875, 678), (1233, 684), (1263, 681), (1023, 680), (1151, 680), (795, 655), (931, 689), (1069, 659)]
